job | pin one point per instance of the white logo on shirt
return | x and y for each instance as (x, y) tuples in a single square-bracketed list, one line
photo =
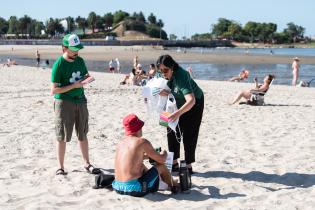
[(75, 77)]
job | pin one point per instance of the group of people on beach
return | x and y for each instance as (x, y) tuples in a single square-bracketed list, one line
[(138, 76), (243, 75), (132, 177)]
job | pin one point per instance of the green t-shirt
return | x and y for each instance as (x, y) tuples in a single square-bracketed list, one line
[(65, 73), (182, 84)]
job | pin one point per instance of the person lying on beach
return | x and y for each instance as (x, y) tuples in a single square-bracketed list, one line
[(10, 62), (258, 88), (132, 177), (129, 78), (242, 76)]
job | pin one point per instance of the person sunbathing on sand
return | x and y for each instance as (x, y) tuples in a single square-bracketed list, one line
[(132, 177), (242, 76), (9, 63), (258, 88), (129, 78)]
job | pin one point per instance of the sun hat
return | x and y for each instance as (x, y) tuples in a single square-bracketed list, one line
[(72, 42), (132, 124), (296, 58)]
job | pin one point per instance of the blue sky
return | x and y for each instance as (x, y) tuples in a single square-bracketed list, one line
[(181, 17)]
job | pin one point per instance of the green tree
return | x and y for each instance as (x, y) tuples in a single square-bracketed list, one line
[(92, 21), (24, 24), (119, 16), (4, 26), (82, 23), (135, 26), (173, 37), (38, 27), (156, 32), (108, 20), (54, 27), (234, 31), (280, 38), (294, 31), (252, 29), (202, 37), (70, 24), (141, 17), (267, 32), (221, 27), (138, 17), (13, 25), (99, 24), (160, 23), (152, 19)]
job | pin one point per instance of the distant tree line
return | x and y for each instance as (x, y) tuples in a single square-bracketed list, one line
[(253, 32), (32, 28)]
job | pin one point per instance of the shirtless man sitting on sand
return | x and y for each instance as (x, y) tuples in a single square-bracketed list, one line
[(131, 175)]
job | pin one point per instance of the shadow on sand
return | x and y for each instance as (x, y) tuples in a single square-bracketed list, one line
[(195, 194), (287, 105), (292, 180)]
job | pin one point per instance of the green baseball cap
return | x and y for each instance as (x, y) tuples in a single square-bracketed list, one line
[(72, 42)]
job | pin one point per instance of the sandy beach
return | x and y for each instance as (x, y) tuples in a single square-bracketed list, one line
[(148, 54), (247, 157)]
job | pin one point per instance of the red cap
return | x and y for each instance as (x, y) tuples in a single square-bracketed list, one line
[(132, 124)]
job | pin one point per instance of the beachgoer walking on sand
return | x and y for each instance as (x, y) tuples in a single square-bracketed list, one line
[(111, 66), (295, 70), (190, 102), (37, 58), (70, 103), (132, 177)]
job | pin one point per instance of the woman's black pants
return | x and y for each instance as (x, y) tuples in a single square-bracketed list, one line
[(188, 125)]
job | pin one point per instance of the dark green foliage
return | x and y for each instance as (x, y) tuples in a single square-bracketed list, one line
[(4, 26), (82, 23), (156, 32), (135, 26), (119, 16)]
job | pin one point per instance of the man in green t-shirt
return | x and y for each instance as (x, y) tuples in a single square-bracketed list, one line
[(70, 103)]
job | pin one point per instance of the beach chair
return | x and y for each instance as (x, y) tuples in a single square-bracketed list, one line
[(258, 97)]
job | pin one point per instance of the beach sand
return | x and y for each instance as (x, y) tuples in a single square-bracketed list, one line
[(148, 54), (247, 157)]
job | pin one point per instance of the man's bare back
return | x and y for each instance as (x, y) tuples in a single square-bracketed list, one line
[(129, 158), (131, 175)]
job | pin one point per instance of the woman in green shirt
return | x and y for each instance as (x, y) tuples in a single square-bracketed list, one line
[(190, 103)]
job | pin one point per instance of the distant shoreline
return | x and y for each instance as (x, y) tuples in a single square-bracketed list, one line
[(271, 46), (148, 54)]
